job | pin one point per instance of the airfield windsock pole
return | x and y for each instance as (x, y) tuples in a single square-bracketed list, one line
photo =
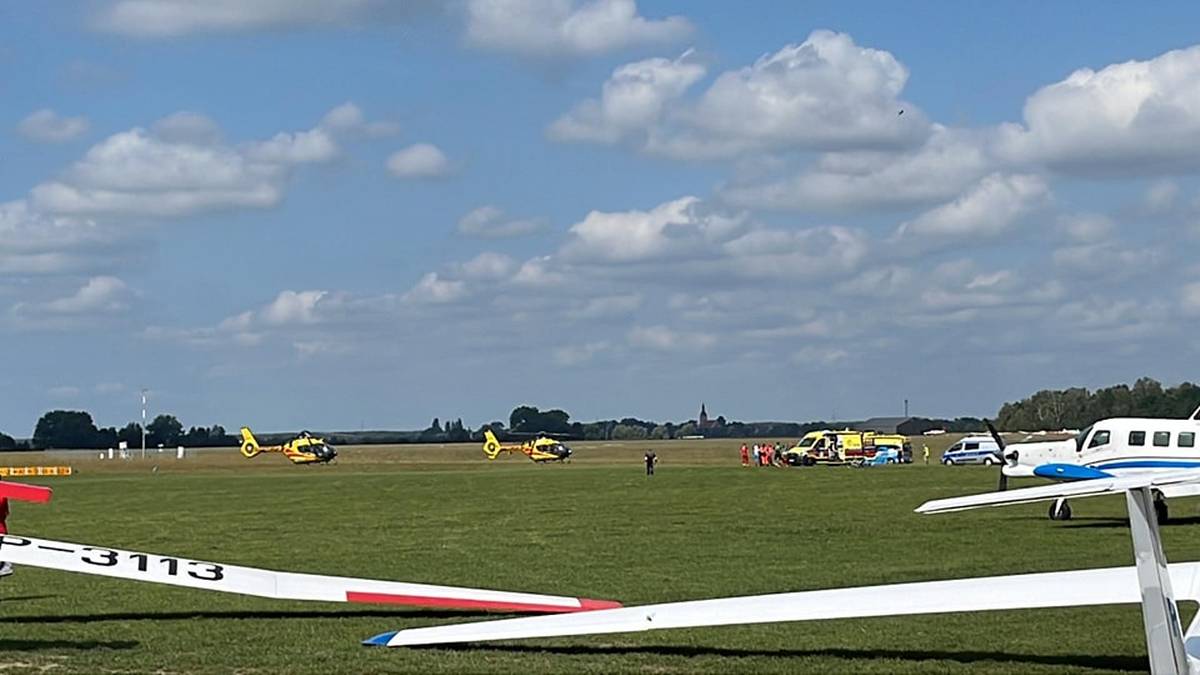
[(143, 424)]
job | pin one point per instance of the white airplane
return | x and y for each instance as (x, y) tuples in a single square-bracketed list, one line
[(1151, 581), (1110, 448)]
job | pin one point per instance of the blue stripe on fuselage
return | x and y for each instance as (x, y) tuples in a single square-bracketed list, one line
[(1150, 464), (1069, 472)]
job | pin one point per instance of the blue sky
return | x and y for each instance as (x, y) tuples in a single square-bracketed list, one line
[(345, 213)]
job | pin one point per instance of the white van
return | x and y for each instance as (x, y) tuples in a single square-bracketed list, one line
[(973, 450)]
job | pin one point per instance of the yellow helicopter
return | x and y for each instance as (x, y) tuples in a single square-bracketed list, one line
[(541, 449), (303, 449)]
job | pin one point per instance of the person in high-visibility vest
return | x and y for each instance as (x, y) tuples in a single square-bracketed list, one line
[(926, 449)]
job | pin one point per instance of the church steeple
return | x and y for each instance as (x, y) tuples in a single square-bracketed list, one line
[(703, 416)]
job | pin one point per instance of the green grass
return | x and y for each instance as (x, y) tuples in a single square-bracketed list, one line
[(704, 527)]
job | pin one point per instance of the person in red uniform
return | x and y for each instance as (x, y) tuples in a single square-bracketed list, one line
[(745, 455)]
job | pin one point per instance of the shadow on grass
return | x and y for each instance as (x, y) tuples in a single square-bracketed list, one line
[(1099, 661), (81, 645), (251, 614), (1102, 522), (21, 598)]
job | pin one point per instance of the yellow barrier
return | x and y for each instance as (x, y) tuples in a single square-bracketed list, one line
[(6, 471)]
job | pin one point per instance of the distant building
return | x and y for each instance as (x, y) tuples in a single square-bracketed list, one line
[(889, 425), (703, 422)]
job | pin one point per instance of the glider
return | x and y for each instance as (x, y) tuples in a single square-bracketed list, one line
[(1151, 582), (210, 576)]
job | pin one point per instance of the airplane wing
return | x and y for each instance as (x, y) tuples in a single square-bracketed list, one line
[(1172, 480), (154, 568), (1116, 585)]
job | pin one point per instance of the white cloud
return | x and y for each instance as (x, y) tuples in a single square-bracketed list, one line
[(63, 392), (301, 147), (47, 126), (545, 28), (170, 18), (349, 119), (488, 266), (662, 338), (631, 100), (628, 236), (947, 163), (32, 242), (795, 254), (433, 289), (180, 169), (292, 307), (490, 222), (98, 297), (1132, 118), (419, 161), (991, 207)]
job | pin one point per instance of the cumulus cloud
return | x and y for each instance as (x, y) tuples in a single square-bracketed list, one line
[(490, 222), (419, 161), (434, 289), (991, 207), (349, 119), (629, 236), (179, 169), (546, 28), (171, 18), (826, 93), (98, 294), (1137, 117), (488, 266), (574, 355), (47, 126), (941, 168), (36, 243), (632, 100)]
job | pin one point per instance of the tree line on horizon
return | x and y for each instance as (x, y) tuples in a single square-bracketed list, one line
[(1047, 410), (1077, 408)]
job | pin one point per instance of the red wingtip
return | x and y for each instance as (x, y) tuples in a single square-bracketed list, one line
[(25, 493), (587, 604)]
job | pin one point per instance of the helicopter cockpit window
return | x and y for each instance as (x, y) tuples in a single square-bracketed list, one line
[(1100, 438)]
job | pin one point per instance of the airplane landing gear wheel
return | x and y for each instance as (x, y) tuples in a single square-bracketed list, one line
[(1060, 509)]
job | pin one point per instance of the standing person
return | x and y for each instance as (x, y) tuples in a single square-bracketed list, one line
[(650, 460), (757, 455), (925, 450), (6, 568), (745, 455)]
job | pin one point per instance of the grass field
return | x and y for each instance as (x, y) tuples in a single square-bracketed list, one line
[(703, 527)]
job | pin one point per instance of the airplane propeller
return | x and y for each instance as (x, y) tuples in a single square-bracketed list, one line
[(1003, 484)]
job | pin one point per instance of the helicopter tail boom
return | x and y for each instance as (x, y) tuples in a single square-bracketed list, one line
[(250, 446)]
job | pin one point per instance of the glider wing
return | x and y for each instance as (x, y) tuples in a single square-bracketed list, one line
[(1116, 585), (210, 576)]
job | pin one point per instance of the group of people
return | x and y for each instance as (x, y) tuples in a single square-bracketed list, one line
[(763, 454)]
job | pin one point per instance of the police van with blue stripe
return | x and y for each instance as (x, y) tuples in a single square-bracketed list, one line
[(973, 450)]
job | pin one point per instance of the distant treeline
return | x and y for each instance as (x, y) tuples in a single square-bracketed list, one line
[(1046, 410), (1076, 408)]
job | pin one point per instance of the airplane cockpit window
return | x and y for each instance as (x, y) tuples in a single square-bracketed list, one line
[(1081, 438), (1187, 439), (1099, 439), (1137, 438), (1162, 439)]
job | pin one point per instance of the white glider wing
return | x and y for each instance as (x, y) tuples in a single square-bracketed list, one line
[(154, 568), (1084, 488), (1115, 585)]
